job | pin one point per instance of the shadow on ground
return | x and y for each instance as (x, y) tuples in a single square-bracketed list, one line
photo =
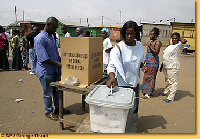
[(77, 109), (150, 122), (179, 94)]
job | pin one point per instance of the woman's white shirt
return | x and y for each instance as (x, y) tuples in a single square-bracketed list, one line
[(126, 65)]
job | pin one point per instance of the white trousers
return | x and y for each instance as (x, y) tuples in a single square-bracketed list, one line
[(171, 82)]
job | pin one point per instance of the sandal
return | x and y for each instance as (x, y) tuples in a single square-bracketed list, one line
[(162, 94), (167, 101), (146, 96)]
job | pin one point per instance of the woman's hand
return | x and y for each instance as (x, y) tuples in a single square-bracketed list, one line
[(111, 81), (155, 50), (144, 69), (149, 43), (183, 41)]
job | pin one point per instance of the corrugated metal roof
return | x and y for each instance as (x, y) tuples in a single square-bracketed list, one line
[(180, 23), (110, 26), (69, 22), (155, 23), (17, 23)]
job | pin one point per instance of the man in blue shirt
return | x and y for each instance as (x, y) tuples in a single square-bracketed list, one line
[(47, 66)]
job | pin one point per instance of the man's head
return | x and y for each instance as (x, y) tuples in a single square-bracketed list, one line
[(51, 25), (36, 30), (15, 32), (64, 29), (1, 29), (21, 33), (78, 31), (32, 26), (86, 34)]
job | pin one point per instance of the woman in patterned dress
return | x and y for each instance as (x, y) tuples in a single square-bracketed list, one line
[(151, 64), (17, 62), (24, 51)]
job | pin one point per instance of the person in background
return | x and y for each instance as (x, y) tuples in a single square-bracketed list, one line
[(4, 65), (64, 31), (66, 34), (8, 38), (171, 66), (56, 39), (151, 64), (107, 46), (23, 49), (126, 59), (47, 66), (30, 43), (86, 34), (79, 32), (17, 62)]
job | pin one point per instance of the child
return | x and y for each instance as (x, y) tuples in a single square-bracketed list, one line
[(171, 66)]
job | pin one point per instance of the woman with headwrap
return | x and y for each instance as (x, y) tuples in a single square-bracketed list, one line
[(107, 46)]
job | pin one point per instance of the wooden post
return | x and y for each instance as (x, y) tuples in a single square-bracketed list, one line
[(83, 102), (61, 108)]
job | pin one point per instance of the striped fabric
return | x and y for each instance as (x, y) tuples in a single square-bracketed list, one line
[(152, 64)]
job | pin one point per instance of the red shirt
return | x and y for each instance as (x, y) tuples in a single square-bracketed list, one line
[(2, 37)]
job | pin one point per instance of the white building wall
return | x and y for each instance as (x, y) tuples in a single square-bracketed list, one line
[(164, 37)]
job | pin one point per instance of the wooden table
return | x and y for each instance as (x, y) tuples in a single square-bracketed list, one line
[(84, 91)]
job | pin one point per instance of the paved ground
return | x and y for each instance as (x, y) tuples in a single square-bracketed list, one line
[(154, 116)]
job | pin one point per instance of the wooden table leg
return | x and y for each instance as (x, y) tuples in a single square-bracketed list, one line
[(61, 108), (83, 102)]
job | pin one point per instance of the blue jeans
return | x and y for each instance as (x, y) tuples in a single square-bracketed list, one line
[(48, 90), (31, 53)]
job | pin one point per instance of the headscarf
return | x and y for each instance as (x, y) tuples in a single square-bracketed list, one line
[(107, 31)]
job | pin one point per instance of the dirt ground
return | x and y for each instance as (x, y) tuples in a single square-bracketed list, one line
[(27, 116)]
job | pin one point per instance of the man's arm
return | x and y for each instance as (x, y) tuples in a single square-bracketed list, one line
[(57, 64)]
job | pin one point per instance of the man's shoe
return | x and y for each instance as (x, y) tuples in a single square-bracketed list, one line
[(52, 116), (31, 73)]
